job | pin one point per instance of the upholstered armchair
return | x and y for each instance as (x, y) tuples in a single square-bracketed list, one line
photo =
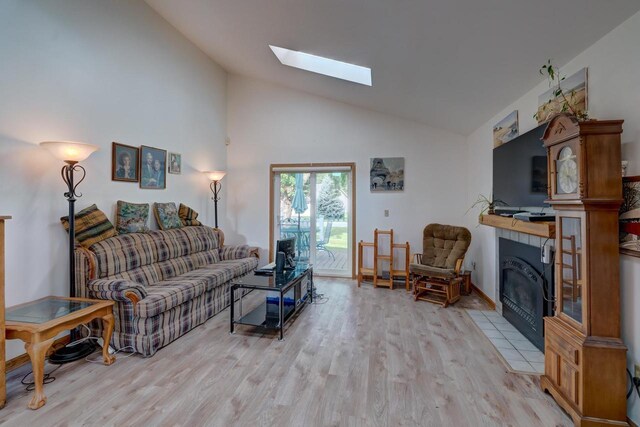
[(436, 271)]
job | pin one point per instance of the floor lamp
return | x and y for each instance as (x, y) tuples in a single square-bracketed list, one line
[(71, 153), (215, 186)]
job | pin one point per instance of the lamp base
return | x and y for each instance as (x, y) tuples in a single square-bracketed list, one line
[(72, 353)]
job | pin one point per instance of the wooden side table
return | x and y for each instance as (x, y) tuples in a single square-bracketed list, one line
[(38, 322), (466, 282)]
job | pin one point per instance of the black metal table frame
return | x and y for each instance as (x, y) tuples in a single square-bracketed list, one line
[(282, 290)]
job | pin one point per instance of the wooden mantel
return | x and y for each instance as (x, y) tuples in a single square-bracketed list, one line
[(545, 229)]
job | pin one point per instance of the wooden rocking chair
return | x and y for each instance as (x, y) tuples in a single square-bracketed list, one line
[(436, 271)]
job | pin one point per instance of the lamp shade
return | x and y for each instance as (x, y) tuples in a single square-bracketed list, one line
[(215, 175), (69, 151)]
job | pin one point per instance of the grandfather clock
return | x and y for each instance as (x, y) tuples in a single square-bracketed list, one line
[(585, 359)]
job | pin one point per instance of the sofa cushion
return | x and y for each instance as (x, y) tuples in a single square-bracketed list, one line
[(132, 217), (240, 267), (206, 257), (175, 267), (222, 272), (186, 241), (126, 252), (425, 270), (165, 295), (188, 216), (167, 215), (130, 251), (145, 275), (91, 226), (234, 252)]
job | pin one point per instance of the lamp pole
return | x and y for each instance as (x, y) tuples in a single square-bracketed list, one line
[(67, 174), (215, 187), (215, 177)]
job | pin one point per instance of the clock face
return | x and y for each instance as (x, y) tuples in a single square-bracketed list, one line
[(567, 179)]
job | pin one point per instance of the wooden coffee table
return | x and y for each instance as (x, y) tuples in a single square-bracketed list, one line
[(38, 322)]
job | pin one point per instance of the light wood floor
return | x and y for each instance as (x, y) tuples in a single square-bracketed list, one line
[(366, 357)]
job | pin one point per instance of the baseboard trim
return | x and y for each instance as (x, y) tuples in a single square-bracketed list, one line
[(23, 359), (483, 296)]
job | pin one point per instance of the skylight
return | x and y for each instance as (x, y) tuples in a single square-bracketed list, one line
[(328, 67)]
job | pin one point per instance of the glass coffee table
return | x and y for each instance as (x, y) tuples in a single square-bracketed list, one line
[(285, 295), (38, 322)]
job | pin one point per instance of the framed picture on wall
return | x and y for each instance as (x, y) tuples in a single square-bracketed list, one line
[(153, 163), (506, 129), (175, 163), (386, 174), (630, 216), (124, 162)]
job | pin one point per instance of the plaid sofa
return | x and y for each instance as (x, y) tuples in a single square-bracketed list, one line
[(164, 283)]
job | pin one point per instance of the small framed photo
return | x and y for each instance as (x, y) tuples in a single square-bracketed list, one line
[(175, 163), (153, 163), (124, 162)]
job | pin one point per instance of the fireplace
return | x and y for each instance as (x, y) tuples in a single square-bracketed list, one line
[(526, 288)]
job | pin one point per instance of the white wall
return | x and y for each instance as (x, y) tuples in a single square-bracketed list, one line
[(614, 93), (270, 124), (95, 72)]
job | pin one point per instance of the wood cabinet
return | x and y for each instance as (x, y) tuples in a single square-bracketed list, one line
[(3, 389), (585, 359)]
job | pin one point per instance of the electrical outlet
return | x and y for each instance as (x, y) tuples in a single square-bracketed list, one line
[(636, 371), (386, 213)]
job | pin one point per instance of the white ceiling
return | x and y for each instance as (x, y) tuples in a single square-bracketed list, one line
[(452, 64)]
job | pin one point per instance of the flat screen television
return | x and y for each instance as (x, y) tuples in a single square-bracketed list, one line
[(520, 171), (288, 246)]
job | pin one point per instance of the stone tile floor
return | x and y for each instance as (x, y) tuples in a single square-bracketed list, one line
[(516, 350)]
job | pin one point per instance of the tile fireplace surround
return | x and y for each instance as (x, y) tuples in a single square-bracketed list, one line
[(516, 350)]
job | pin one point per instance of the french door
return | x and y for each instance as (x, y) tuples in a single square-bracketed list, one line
[(315, 203)]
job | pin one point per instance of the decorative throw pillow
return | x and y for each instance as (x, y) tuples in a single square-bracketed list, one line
[(167, 215), (91, 226), (188, 216), (132, 217)]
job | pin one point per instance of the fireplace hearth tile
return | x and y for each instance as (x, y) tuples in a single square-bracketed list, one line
[(532, 356), (494, 334), (501, 344), (485, 325), (514, 335), (522, 366), (524, 345), (511, 355), (519, 354), (539, 367), (507, 327)]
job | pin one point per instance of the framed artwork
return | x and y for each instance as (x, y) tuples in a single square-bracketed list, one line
[(153, 164), (124, 162), (175, 163), (386, 174), (506, 129), (630, 216), (574, 88)]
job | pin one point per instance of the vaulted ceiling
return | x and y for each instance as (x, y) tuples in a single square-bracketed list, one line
[(451, 64)]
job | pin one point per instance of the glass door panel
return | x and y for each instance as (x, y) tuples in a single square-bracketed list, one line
[(571, 267), (314, 207), (332, 219), (293, 217)]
